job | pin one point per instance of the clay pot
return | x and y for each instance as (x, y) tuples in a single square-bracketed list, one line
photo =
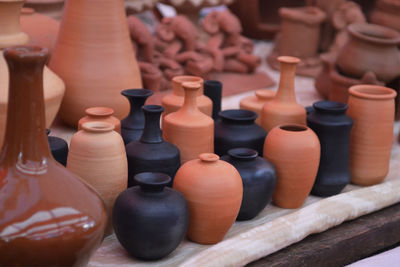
[(386, 13), (213, 190), (150, 220), (102, 114), (372, 109), (190, 129), (294, 150), (238, 129), (51, 8), (94, 56), (256, 102), (322, 82), (213, 90), (132, 126), (332, 126), (58, 148), (284, 109), (370, 48), (97, 155), (258, 178), (11, 35), (151, 153), (38, 195)]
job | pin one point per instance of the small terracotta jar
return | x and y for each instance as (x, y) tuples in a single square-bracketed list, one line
[(284, 109), (294, 150), (97, 155), (256, 102), (190, 129), (102, 114), (372, 109), (213, 189)]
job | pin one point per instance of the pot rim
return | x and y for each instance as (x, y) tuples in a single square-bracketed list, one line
[(97, 127), (370, 32), (152, 181), (293, 127), (153, 108), (137, 92), (330, 107), (99, 111), (239, 115), (187, 78), (374, 92), (265, 94), (243, 153)]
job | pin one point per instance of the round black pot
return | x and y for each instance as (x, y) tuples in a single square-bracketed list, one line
[(259, 179), (237, 128), (58, 148), (150, 220), (151, 153), (332, 126), (213, 89)]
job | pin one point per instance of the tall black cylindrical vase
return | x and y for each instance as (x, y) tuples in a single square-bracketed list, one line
[(213, 89)]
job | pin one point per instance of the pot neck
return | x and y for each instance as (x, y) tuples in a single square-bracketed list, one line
[(285, 91), (209, 158), (137, 98), (152, 182), (242, 154), (10, 30), (152, 132), (238, 116), (190, 100)]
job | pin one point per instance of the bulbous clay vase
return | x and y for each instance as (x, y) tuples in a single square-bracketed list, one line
[(190, 129), (11, 35), (213, 189), (97, 155), (284, 109), (102, 114), (372, 109), (43, 206), (94, 56), (150, 220), (256, 102), (294, 150), (58, 148), (213, 90)]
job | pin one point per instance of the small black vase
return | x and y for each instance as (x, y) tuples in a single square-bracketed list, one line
[(332, 126), (151, 153), (259, 180), (58, 148), (237, 128), (213, 89), (150, 220), (132, 126)]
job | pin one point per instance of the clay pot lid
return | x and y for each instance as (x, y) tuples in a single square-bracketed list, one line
[(99, 111), (141, 93), (242, 153), (97, 127), (330, 107), (374, 92), (152, 181), (373, 33), (265, 94), (309, 14), (293, 127), (238, 115), (208, 157)]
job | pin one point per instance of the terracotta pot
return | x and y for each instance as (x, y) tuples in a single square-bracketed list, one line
[(189, 129), (51, 8), (95, 57), (213, 189), (386, 13), (322, 82), (372, 109), (44, 207), (97, 155), (102, 114), (284, 109), (256, 102), (10, 35), (373, 48), (294, 150)]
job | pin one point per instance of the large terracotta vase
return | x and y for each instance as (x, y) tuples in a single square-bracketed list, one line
[(213, 189), (372, 109), (10, 35), (256, 102), (284, 109), (103, 114), (48, 216), (189, 129), (94, 56)]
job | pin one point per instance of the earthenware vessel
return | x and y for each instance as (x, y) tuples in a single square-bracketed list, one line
[(103, 114), (213, 90), (151, 153), (332, 126), (294, 150), (322, 82), (97, 155), (150, 220), (58, 148), (38, 195), (94, 56), (284, 109), (213, 189), (190, 129), (256, 102), (132, 125), (258, 178), (372, 109), (237, 128), (386, 13)]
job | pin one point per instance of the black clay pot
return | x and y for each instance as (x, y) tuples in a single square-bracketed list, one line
[(259, 179), (150, 220), (238, 129), (151, 153), (58, 148), (213, 89), (332, 126), (132, 126)]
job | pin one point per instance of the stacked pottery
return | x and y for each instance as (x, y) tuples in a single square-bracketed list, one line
[(213, 89), (213, 190), (102, 114), (256, 102), (58, 148)]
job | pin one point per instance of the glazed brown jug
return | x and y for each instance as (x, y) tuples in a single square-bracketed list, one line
[(213, 190), (95, 58), (48, 216), (372, 109), (188, 128), (103, 114), (284, 109), (256, 102)]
